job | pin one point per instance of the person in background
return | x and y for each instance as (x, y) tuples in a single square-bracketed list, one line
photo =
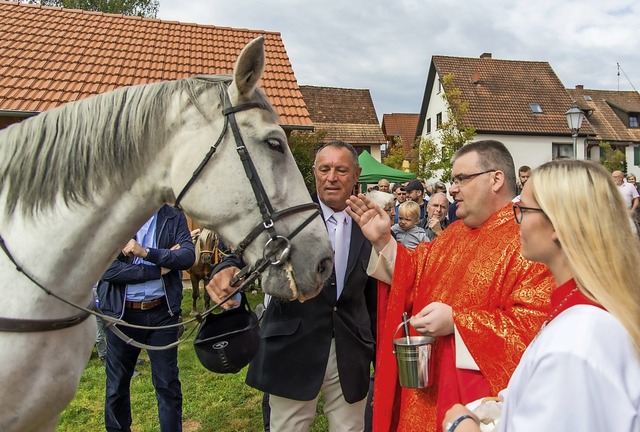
[(415, 193), (572, 219), (143, 286), (428, 189), (439, 187), (385, 200), (384, 186), (101, 334), (524, 172), (436, 219), (401, 196), (406, 231), (628, 191), (631, 179), (471, 289)]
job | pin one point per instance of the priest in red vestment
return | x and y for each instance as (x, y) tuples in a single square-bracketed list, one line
[(470, 288)]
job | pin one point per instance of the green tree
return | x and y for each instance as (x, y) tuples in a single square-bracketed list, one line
[(143, 8), (395, 155), (303, 146), (453, 134), (612, 159)]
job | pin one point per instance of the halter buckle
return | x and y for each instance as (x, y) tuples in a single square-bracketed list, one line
[(268, 225)]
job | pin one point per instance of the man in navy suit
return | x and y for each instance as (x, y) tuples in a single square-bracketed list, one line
[(326, 344)]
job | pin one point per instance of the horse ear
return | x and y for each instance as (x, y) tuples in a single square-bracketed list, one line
[(249, 67)]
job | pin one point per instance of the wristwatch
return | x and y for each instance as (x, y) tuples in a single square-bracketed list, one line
[(147, 251)]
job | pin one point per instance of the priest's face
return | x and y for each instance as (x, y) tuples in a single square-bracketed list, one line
[(336, 176), (472, 190)]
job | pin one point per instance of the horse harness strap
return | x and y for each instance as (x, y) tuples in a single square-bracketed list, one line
[(23, 325)]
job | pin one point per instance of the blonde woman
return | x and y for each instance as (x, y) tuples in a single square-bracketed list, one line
[(582, 371)]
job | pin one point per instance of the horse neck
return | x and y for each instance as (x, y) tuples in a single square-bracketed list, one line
[(81, 240)]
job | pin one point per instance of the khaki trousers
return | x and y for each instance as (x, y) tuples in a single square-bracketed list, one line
[(288, 415)]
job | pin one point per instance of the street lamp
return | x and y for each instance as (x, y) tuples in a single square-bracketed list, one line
[(574, 120)]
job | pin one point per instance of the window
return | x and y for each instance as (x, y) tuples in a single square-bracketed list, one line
[(561, 150), (438, 120), (587, 98), (536, 108), (360, 149), (636, 155), (428, 125), (633, 120)]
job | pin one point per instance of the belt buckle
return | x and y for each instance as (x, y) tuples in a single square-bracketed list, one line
[(151, 304)]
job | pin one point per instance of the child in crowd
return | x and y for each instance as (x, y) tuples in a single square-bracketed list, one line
[(406, 231)]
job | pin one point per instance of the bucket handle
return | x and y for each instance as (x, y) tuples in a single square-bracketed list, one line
[(394, 335), (398, 328)]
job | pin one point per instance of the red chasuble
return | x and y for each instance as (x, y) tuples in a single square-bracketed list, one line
[(499, 302)]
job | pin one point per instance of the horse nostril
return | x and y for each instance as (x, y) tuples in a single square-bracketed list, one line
[(325, 267)]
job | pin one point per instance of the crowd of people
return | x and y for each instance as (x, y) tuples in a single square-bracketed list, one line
[(504, 269)]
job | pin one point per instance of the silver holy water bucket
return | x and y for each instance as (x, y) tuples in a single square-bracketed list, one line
[(415, 366)]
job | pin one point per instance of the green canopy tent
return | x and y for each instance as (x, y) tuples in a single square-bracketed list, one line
[(373, 171)]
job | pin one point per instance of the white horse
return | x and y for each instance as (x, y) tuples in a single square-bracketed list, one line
[(76, 183)]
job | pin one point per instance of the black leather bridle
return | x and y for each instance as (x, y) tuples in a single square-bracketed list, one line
[(275, 252), (277, 249)]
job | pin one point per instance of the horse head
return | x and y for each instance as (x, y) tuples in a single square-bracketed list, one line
[(206, 247), (251, 191)]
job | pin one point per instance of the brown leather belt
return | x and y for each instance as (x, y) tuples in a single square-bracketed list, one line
[(144, 305)]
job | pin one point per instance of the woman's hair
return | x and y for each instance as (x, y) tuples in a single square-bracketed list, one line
[(595, 232), (410, 209)]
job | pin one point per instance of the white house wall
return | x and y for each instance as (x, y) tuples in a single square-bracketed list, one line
[(526, 150), (376, 152)]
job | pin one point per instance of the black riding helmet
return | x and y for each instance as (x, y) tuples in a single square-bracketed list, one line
[(227, 341)]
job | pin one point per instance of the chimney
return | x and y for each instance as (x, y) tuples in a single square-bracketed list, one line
[(485, 55), (475, 78), (579, 87)]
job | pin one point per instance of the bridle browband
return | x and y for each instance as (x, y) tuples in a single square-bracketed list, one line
[(276, 249)]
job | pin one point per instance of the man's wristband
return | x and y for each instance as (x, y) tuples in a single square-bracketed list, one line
[(452, 426)]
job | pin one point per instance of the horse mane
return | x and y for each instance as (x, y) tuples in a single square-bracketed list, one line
[(73, 151)]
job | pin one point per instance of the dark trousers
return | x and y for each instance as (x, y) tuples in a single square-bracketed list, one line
[(121, 362)]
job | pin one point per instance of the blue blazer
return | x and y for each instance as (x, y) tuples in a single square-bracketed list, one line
[(171, 229)]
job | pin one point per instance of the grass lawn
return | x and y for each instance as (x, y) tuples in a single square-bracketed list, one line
[(211, 402)]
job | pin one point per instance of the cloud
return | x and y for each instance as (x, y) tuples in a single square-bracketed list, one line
[(386, 47)]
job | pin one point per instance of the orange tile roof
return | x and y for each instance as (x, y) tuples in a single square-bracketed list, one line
[(602, 115), (401, 125), (499, 93), (345, 114), (49, 56)]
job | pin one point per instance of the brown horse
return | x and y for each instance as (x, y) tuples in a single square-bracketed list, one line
[(208, 254)]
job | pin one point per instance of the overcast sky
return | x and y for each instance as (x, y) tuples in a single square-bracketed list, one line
[(386, 45)]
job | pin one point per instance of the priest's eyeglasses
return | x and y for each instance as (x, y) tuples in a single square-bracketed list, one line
[(461, 179), (519, 211)]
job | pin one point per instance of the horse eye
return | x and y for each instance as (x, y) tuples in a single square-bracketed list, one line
[(275, 145)]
